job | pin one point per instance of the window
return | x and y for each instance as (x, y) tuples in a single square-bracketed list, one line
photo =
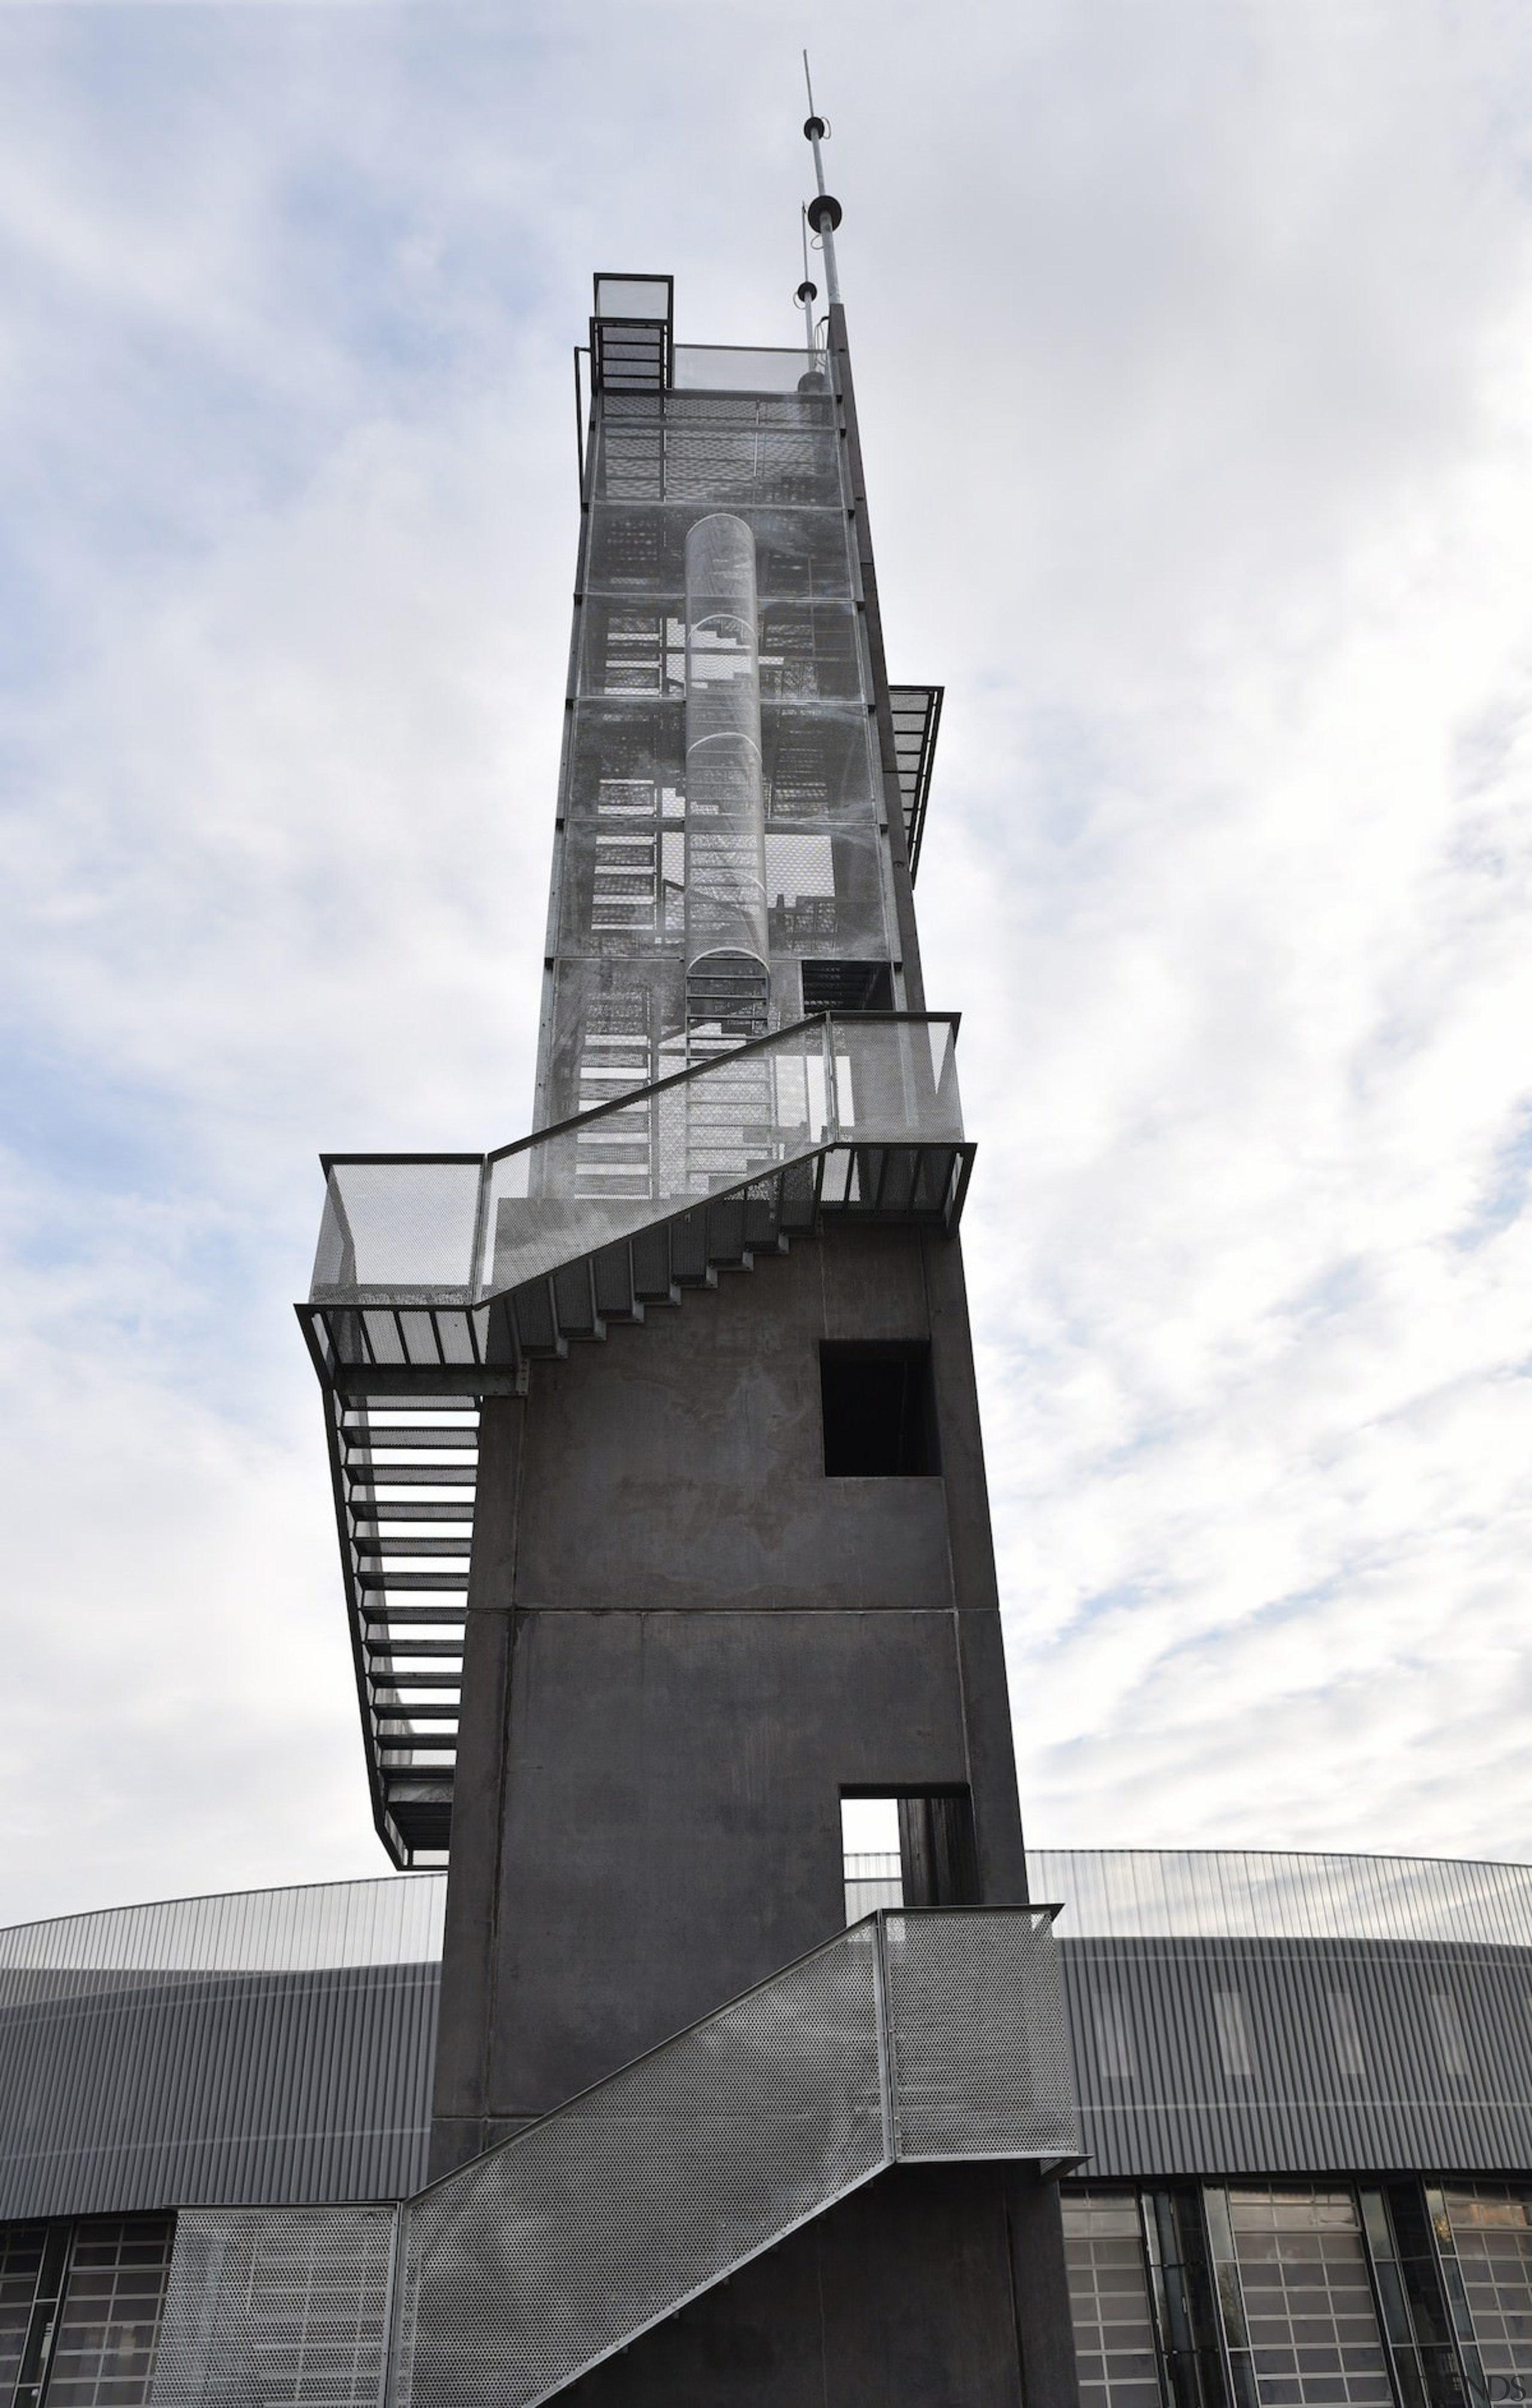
[(1345, 2037), (1233, 2039), (1114, 2039), (878, 1421), (1449, 2024)]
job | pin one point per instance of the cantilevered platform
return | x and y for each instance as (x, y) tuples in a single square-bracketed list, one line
[(441, 1279)]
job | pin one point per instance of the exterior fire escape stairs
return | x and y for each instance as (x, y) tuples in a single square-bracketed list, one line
[(439, 1280), (912, 2037)]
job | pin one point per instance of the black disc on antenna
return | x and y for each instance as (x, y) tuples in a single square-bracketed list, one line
[(812, 126), (824, 209), (806, 293)]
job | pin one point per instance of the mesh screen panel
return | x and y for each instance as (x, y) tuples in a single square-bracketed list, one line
[(980, 2047), (555, 2249), (264, 2307), (406, 1226), (738, 368), (1262, 1894), (640, 547)]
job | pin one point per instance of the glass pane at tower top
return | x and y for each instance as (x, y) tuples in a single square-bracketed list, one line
[(740, 790)]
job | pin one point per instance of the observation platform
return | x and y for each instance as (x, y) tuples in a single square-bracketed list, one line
[(440, 1279), (449, 1272)]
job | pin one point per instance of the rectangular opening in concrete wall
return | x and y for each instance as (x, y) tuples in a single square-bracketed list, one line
[(847, 987), (879, 1418), (911, 1848)]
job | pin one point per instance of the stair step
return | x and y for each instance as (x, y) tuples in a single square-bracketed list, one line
[(367, 1520), (378, 1619), (426, 1438), (412, 1647), (574, 1300), (615, 1294), (412, 1475), (406, 1580), (373, 1547), (535, 1319), (650, 1254)]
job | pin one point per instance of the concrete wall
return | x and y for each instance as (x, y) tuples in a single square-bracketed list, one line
[(683, 1641), (912, 2291)]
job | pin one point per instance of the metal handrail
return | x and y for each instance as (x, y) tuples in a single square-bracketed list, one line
[(441, 1243)]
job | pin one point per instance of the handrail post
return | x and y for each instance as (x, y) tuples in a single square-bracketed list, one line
[(479, 1281), (832, 1100), (885, 2036), (398, 2268)]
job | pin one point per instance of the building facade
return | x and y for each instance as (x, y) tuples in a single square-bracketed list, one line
[(1306, 2086)]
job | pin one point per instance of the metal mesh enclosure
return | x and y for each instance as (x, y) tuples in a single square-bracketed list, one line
[(721, 812), (266, 2307), (980, 2048), (552, 2251)]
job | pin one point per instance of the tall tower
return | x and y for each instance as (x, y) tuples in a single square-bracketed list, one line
[(663, 1509)]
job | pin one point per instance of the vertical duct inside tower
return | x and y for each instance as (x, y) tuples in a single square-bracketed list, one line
[(728, 978)]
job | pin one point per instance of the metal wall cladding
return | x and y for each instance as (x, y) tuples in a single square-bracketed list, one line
[(1201, 2056), (269, 2046)]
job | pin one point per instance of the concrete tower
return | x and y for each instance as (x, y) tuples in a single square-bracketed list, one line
[(663, 1509)]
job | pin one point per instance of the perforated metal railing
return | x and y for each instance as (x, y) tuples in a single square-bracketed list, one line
[(440, 1237), (917, 2036), (268, 2305)]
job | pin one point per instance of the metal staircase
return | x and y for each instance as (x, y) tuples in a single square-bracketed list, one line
[(440, 1280), (912, 2037)]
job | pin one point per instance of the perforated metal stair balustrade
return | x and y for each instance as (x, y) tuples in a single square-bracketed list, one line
[(913, 2036), (438, 1278)]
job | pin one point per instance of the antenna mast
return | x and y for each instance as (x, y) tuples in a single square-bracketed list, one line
[(806, 296), (823, 212)]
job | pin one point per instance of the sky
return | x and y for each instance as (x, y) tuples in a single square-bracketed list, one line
[(1193, 350)]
